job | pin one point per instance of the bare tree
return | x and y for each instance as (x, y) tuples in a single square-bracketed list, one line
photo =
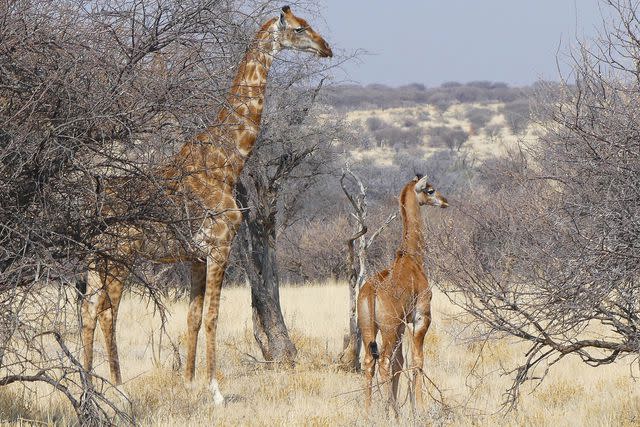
[(294, 153), (356, 264), (548, 250), (94, 92)]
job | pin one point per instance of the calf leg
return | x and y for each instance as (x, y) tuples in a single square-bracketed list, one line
[(108, 316), (421, 322), (101, 303), (91, 303), (369, 330)]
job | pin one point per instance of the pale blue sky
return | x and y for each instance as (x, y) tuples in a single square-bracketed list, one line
[(434, 41)]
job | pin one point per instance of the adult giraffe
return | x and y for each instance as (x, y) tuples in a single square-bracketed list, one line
[(206, 170), (399, 295)]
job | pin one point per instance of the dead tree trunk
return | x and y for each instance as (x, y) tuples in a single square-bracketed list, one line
[(350, 356), (258, 235)]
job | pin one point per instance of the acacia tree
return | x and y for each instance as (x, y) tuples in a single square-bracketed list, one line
[(93, 92), (550, 250)]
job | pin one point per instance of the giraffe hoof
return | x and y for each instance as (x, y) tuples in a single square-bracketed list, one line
[(218, 398)]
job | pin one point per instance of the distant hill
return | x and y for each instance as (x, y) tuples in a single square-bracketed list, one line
[(351, 97), (404, 125)]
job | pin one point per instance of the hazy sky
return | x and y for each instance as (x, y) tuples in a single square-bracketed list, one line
[(434, 41)]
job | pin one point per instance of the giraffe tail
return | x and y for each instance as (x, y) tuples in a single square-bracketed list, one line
[(373, 348), (81, 287)]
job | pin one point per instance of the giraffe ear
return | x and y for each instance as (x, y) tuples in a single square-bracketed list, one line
[(286, 10), (421, 184)]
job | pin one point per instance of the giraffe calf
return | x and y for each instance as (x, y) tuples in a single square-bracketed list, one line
[(399, 295)]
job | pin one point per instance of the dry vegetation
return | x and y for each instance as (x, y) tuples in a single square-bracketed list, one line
[(544, 235), (467, 372), (482, 130)]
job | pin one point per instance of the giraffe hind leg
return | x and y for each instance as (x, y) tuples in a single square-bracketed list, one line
[(369, 330), (108, 317)]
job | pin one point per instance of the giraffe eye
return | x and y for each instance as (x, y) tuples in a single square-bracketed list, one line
[(300, 30)]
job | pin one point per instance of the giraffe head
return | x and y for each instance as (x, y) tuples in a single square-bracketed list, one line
[(426, 194), (295, 33)]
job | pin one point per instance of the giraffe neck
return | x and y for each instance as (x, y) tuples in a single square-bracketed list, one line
[(241, 115), (220, 151), (412, 237)]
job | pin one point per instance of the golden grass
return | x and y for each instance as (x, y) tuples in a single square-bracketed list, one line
[(316, 393)]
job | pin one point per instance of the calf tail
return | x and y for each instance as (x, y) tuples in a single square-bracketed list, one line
[(373, 345), (373, 348)]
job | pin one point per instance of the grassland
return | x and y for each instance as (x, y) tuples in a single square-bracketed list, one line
[(315, 392)]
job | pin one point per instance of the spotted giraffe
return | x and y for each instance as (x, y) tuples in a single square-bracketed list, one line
[(206, 170)]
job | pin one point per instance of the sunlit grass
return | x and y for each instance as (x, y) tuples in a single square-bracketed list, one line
[(316, 392)]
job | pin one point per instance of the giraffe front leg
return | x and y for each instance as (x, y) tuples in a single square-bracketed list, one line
[(386, 367), (194, 316), (216, 264), (421, 324), (397, 359), (396, 368)]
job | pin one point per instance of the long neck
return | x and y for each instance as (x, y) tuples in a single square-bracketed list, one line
[(241, 115), (412, 238), (223, 148)]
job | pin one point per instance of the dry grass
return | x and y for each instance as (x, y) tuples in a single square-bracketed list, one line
[(315, 392)]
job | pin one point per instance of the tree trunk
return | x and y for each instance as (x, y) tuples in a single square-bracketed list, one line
[(350, 356), (269, 328), (258, 238)]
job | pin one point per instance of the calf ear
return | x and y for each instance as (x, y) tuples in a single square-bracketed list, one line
[(421, 184)]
